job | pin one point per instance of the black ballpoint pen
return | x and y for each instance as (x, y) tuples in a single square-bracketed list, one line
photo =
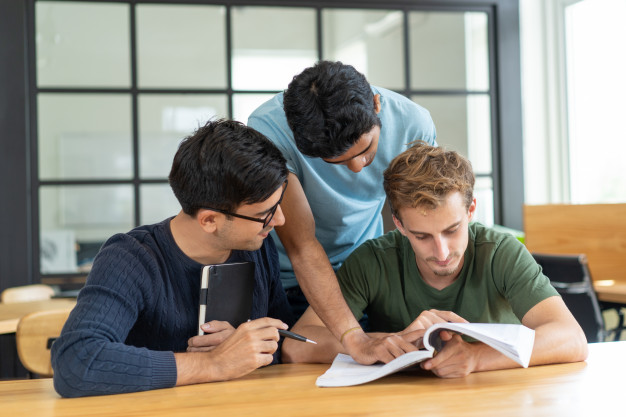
[(294, 336)]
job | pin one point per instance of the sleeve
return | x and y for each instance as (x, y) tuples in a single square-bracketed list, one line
[(355, 277), (521, 281), (278, 305), (90, 357)]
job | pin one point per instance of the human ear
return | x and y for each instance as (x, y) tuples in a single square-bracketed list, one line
[(472, 209), (377, 103), (207, 219), (398, 224)]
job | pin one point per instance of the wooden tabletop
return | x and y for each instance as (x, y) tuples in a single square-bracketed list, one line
[(610, 291), (11, 313), (578, 389)]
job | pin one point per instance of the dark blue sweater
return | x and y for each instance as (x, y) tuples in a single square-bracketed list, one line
[(139, 306)]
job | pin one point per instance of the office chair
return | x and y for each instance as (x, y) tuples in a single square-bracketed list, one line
[(569, 275), (34, 337)]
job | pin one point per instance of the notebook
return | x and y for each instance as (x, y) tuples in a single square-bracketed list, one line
[(226, 293)]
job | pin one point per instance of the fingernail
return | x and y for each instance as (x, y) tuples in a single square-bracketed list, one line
[(206, 326)]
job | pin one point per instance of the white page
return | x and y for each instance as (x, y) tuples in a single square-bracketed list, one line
[(345, 371), (512, 340)]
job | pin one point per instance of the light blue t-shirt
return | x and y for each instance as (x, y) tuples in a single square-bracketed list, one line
[(346, 206)]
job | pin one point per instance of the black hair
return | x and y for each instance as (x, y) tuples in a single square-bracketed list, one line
[(328, 107), (225, 164)]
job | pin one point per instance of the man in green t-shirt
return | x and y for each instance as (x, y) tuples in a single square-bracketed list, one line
[(436, 267)]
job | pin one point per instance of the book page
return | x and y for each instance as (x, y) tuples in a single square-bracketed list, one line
[(512, 340), (345, 371)]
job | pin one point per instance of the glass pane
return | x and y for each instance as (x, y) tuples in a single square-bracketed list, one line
[(84, 136), (596, 87), (165, 120), (271, 45), (483, 192), (75, 220), (372, 41), (245, 104), (449, 50), (82, 44), (464, 125), (181, 46), (157, 203)]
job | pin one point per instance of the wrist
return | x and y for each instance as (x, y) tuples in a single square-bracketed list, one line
[(347, 332)]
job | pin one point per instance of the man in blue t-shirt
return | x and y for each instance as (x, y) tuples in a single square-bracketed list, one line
[(135, 323), (338, 134)]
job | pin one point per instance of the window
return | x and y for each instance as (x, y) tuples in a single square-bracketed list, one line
[(573, 66), (596, 64), (118, 84)]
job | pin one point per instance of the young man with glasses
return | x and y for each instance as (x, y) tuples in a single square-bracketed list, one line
[(134, 325)]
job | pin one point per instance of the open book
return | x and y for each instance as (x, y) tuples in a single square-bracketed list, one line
[(512, 340)]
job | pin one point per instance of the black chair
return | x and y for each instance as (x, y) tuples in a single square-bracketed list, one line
[(569, 275)]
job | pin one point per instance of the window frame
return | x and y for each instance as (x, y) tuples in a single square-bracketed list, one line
[(23, 221)]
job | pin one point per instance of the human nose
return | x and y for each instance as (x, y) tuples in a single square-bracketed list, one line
[(357, 164), (441, 248), (279, 217)]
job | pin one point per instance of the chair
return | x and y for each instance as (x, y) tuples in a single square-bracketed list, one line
[(34, 337), (24, 293), (569, 275)]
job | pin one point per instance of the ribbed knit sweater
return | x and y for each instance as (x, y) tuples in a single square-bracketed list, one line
[(139, 306)]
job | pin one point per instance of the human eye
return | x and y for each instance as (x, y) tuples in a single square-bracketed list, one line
[(420, 237), (452, 231)]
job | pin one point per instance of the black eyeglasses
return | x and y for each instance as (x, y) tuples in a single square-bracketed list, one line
[(266, 220)]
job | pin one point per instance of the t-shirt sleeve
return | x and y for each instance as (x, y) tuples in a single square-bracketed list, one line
[(90, 357), (521, 281), (355, 277)]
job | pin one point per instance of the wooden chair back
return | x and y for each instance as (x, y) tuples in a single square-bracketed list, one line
[(34, 337), (25, 293), (596, 230)]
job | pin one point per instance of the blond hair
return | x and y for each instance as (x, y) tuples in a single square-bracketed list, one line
[(423, 175)]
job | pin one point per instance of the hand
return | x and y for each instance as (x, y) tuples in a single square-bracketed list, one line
[(248, 348), (368, 350), (457, 359), (429, 317), (215, 333)]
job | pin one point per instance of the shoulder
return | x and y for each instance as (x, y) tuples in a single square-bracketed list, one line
[(400, 102), (269, 117), (405, 116), (140, 248), (376, 253)]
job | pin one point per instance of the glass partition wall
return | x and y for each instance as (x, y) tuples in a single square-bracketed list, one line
[(119, 84)]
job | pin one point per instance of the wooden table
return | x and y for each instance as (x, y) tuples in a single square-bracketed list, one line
[(11, 313), (610, 291), (578, 389)]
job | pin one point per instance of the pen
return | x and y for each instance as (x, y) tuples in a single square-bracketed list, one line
[(294, 336)]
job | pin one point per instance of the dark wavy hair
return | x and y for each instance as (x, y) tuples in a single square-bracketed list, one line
[(423, 175), (328, 107), (225, 164)]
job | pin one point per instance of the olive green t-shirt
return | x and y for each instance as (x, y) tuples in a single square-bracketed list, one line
[(499, 281)]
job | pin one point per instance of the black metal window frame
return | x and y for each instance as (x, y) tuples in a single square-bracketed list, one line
[(504, 93)]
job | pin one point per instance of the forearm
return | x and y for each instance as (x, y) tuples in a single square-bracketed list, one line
[(195, 368), (319, 284), (559, 343), (554, 343), (324, 351), (135, 369)]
